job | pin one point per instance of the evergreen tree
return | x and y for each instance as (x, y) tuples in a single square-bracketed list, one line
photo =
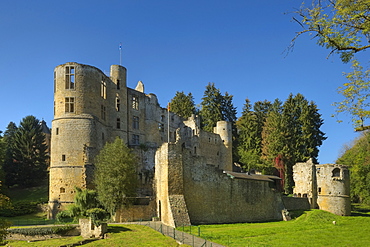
[(10, 168), (211, 107), (183, 105), (29, 153), (115, 175), (249, 149)]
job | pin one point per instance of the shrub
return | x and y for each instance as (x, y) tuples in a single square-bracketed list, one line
[(64, 216), (60, 230), (19, 208)]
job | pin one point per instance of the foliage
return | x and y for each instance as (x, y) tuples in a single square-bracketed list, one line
[(33, 231), (250, 140), (19, 208), (4, 224), (115, 175), (26, 164), (211, 107), (86, 204), (183, 105), (356, 94), (358, 160), (276, 133), (343, 26)]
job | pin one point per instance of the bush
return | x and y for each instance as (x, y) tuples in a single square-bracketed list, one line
[(60, 230), (64, 216), (19, 208)]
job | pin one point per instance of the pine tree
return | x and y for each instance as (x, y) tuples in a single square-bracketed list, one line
[(28, 153), (10, 168), (211, 107), (183, 105), (248, 146)]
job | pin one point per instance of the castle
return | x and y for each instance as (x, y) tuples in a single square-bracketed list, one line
[(185, 174)]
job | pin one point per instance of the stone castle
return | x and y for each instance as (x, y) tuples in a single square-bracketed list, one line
[(185, 174)]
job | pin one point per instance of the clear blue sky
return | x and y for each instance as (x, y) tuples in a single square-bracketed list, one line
[(170, 46)]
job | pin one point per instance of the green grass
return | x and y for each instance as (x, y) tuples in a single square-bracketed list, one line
[(312, 228), (118, 235)]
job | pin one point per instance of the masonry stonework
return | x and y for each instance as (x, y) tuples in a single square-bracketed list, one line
[(185, 174), (326, 186)]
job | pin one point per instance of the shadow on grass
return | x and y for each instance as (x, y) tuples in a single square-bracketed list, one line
[(362, 210), (296, 213), (118, 229)]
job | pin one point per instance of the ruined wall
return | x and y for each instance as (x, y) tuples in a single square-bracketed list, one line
[(333, 183), (327, 185)]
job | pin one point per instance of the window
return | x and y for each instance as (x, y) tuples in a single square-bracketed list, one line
[(135, 140), (55, 82), (135, 103), (70, 77), (336, 172), (162, 118), (103, 112), (103, 89), (118, 84), (63, 157), (161, 127), (118, 123), (57, 131), (62, 190), (118, 103), (135, 122), (70, 104)]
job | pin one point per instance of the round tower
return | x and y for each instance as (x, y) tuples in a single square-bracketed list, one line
[(224, 129), (333, 188)]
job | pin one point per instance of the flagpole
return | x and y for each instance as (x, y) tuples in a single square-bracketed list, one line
[(168, 122), (120, 53)]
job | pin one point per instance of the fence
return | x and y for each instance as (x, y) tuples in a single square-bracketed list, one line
[(192, 238)]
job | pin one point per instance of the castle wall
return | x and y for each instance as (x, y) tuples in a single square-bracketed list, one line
[(213, 197)]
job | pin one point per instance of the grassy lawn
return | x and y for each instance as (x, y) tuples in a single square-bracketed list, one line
[(118, 235), (312, 228)]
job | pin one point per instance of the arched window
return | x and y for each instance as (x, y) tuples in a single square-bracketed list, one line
[(336, 172), (62, 190)]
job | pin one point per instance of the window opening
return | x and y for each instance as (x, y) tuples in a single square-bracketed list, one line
[(63, 157), (62, 190), (57, 131), (135, 103), (336, 172), (70, 77), (161, 127), (103, 111), (135, 122), (135, 139), (103, 89), (69, 104), (118, 104), (118, 123), (118, 84)]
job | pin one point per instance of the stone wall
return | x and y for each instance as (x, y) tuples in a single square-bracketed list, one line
[(296, 203)]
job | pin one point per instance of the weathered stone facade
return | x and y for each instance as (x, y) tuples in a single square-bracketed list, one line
[(326, 186), (185, 173)]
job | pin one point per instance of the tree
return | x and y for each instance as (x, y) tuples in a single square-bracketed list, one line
[(211, 107), (115, 175), (343, 27), (357, 158), (183, 105), (356, 94), (28, 153), (291, 134)]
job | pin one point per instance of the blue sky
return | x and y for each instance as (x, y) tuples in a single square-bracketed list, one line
[(170, 46)]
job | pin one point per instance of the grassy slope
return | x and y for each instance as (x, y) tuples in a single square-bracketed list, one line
[(34, 194), (313, 228)]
